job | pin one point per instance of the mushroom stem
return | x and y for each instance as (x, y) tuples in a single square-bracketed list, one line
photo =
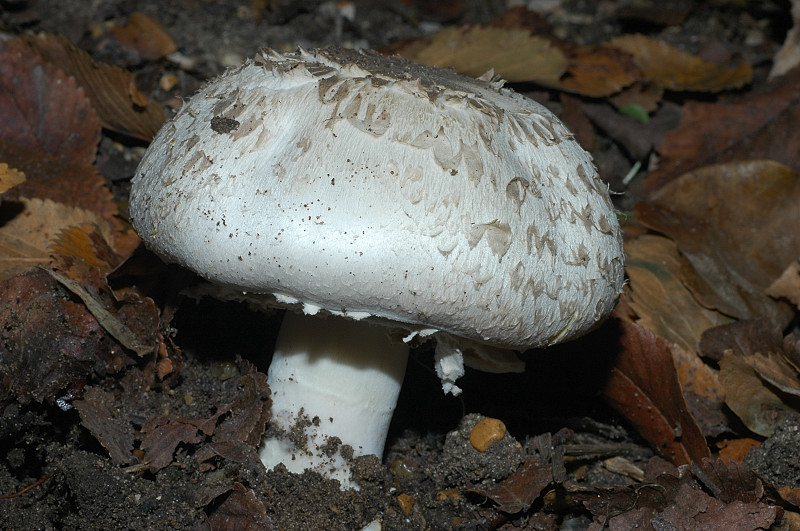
[(331, 377)]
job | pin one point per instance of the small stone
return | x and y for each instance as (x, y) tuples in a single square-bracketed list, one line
[(487, 432), (406, 503)]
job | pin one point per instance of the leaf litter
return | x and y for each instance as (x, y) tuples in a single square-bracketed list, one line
[(700, 362)]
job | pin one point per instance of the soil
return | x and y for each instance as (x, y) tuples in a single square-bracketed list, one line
[(85, 474)]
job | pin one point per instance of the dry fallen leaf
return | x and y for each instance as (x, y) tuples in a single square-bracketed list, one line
[(100, 414), (644, 388), (9, 177), (760, 125), (661, 301), (513, 54), (82, 259), (31, 226), (112, 90), (735, 224), (675, 69), (242, 421), (148, 37), (787, 286), (60, 180), (50, 342), (789, 55), (598, 71), (674, 499), (44, 110), (51, 136), (751, 353), (664, 305), (517, 492), (759, 409)]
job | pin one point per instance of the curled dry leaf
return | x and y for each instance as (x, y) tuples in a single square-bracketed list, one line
[(241, 421), (644, 388), (514, 54), (664, 305), (100, 414), (31, 226), (675, 69), (83, 258), (146, 36), (751, 353), (9, 177), (787, 286), (598, 71), (518, 491), (112, 90), (735, 224), (761, 410), (242, 511)]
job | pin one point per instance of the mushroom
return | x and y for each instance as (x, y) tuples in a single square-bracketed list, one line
[(379, 201)]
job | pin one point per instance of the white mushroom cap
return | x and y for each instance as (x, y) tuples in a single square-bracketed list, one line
[(370, 186)]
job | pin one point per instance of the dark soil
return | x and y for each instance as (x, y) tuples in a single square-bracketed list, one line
[(431, 476)]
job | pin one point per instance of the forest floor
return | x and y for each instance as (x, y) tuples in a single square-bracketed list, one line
[(98, 433)]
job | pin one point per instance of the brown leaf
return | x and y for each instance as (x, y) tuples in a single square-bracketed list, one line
[(63, 181), (47, 342), (162, 434), (730, 481), (82, 259), (740, 338), (787, 286), (735, 225), (83, 244), (749, 353), (760, 409), (659, 298), (243, 422), (30, 227), (241, 511), (736, 449), (664, 305), (644, 388), (43, 109), (675, 69), (109, 320), (671, 500), (145, 35), (9, 177), (518, 491), (112, 90), (598, 71), (100, 415), (760, 125), (646, 94), (250, 413), (514, 54)]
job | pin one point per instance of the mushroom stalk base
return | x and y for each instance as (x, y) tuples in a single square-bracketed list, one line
[(331, 377)]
